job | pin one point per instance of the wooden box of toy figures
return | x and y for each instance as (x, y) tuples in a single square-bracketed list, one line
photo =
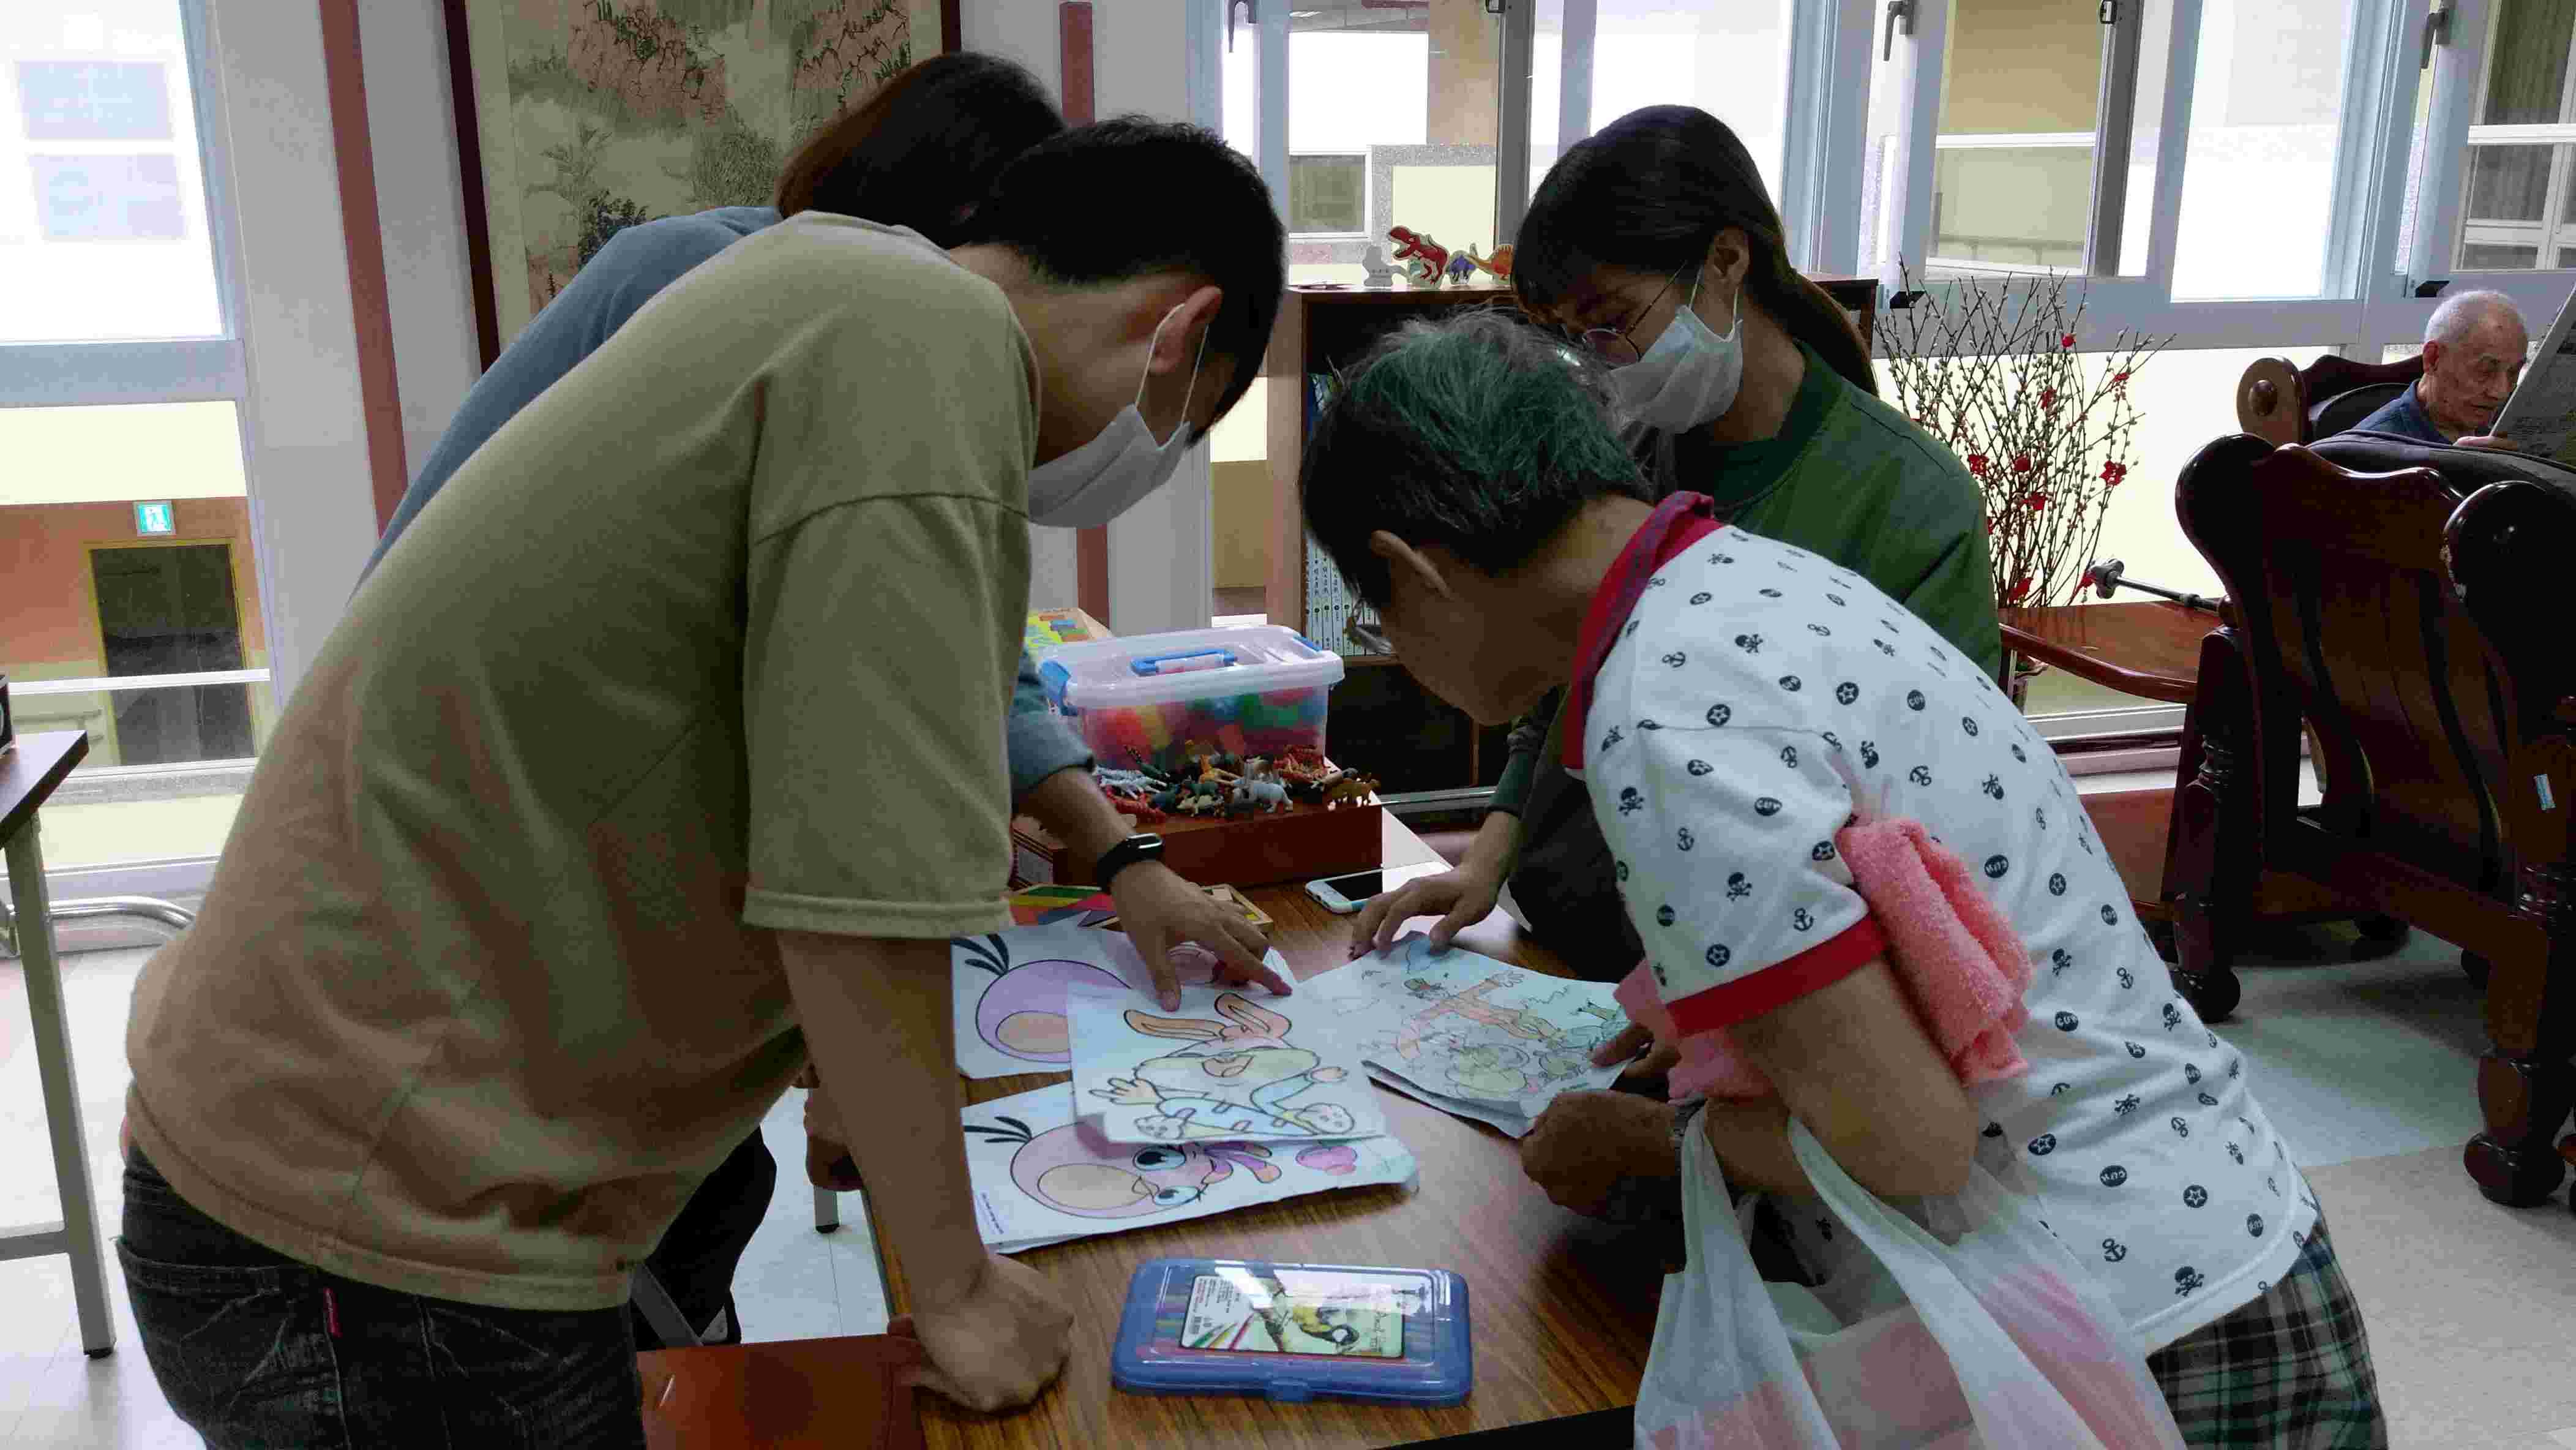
[(1245, 823)]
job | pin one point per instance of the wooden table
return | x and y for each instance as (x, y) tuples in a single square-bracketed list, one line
[(2149, 649), (1562, 1309), (29, 773)]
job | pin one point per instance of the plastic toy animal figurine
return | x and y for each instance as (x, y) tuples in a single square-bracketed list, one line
[(1499, 265), (1264, 794), (1238, 1080), (1351, 789), (1462, 265), (1424, 258)]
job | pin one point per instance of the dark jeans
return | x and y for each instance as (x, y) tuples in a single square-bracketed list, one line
[(700, 1250), (256, 1350)]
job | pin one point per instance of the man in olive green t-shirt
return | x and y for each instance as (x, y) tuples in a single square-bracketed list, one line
[(671, 753)]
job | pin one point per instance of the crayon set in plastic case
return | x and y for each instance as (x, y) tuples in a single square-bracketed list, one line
[(1295, 1332)]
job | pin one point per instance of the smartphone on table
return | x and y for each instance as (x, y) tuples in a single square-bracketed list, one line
[(1345, 895)]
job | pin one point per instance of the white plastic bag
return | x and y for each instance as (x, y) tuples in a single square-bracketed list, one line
[(2000, 1341), (2004, 1323), (1722, 1372)]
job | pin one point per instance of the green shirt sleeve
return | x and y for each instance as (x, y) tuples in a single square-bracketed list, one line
[(886, 597), (1527, 740)]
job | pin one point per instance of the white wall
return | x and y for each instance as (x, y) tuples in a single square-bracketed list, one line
[(311, 510), (1160, 558), (420, 203)]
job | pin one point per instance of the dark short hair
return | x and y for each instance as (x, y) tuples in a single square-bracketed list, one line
[(1479, 433), (1649, 192), (1133, 196), (923, 150)]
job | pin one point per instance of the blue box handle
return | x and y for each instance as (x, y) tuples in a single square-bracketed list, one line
[(1055, 678), (1153, 664)]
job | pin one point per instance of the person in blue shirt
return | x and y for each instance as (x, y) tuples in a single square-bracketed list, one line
[(921, 153), (2473, 355)]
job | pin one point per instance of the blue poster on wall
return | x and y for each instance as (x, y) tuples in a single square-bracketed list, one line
[(94, 100)]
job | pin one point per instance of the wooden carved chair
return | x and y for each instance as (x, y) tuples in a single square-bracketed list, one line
[(2418, 634), (2283, 404)]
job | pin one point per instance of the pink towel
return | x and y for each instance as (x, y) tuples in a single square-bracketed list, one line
[(1959, 960)]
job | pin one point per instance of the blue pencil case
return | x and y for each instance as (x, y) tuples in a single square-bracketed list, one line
[(1295, 1332)]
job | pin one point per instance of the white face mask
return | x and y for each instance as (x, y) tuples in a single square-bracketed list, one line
[(1689, 377), (1110, 474)]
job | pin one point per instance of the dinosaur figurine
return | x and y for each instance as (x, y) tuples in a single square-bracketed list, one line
[(1424, 258)]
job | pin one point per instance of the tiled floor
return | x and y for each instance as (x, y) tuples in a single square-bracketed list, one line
[(2354, 1060), (793, 1284)]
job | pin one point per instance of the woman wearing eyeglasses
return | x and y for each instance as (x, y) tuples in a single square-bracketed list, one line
[(1654, 245)]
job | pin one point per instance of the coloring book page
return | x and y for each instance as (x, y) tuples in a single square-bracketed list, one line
[(1010, 991), (1467, 1027), (1040, 1176), (1511, 1122), (1229, 1064)]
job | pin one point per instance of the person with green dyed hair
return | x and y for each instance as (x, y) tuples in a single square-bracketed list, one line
[(1732, 703)]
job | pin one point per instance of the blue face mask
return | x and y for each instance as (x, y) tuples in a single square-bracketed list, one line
[(1689, 377), (1113, 472)]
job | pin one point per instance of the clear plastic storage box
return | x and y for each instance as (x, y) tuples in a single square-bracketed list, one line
[(1146, 700)]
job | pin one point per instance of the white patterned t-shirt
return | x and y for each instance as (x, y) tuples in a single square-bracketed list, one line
[(1752, 703)]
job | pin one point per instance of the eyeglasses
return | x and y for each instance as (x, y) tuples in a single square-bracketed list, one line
[(1368, 637), (1613, 345)]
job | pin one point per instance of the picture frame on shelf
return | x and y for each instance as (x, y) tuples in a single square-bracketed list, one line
[(578, 118)]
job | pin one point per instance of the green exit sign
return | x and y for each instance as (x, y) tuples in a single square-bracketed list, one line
[(152, 518)]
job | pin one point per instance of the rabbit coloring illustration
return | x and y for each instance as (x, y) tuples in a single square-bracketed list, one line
[(1239, 1077)]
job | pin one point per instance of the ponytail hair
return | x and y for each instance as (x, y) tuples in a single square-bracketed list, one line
[(1649, 192), (922, 151)]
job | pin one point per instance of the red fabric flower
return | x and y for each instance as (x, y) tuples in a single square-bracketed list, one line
[(2119, 378), (2112, 473), (2067, 342), (1977, 464), (2021, 463), (2048, 397), (2019, 591), (2037, 501)]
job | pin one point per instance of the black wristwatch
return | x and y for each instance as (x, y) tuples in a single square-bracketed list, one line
[(1146, 847)]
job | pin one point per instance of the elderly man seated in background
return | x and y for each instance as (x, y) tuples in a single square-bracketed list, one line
[(2473, 354)]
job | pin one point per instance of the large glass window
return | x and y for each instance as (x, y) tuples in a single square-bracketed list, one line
[(2266, 125), (129, 600), (1594, 61), (1391, 122), (102, 201), (2517, 213), (2012, 179)]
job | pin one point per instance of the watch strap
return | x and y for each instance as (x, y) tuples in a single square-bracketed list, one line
[(1126, 853)]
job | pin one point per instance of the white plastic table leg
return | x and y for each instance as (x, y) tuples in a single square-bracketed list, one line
[(79, 1234)]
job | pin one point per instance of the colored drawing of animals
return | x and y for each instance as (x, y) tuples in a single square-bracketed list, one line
[(1470, 1028), (1227, 1067), (1040, 1174)]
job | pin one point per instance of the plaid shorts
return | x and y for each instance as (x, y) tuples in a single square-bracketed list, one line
[(2290, 1371)]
